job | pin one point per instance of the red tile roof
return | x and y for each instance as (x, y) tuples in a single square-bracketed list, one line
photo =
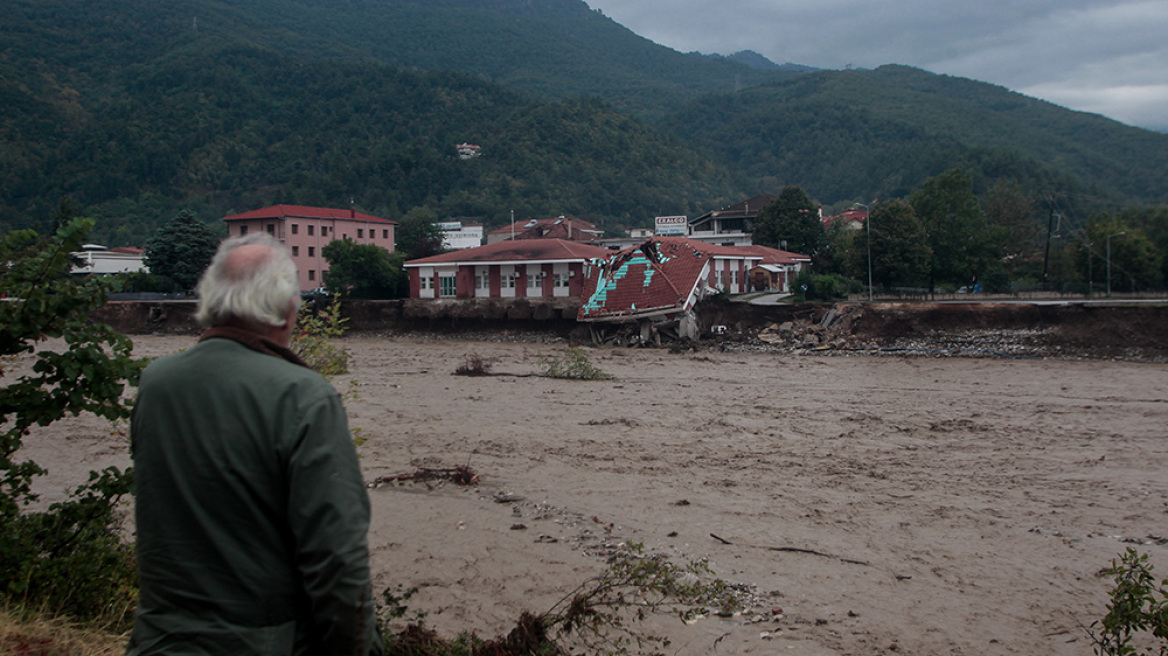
[(776, 256), (304, 212), (558, 228), (659, 276), (526, 250)]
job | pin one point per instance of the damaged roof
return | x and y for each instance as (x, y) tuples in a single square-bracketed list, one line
[(660, 276), (557, 228)]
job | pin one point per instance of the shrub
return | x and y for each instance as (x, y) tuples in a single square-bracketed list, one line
[(601, 617), (316, 328), (1137, 606), (573, 364), (473, 365), (812, 287), (68, 559)]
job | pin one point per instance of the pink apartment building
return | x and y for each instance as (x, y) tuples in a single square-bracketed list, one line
[(306, 230)]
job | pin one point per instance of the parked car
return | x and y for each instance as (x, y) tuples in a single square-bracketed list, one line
[(315, 293)]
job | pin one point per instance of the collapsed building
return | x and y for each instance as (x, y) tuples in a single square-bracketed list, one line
[(644, 293)]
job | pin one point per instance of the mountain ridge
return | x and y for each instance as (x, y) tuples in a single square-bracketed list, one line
[(137, 108)]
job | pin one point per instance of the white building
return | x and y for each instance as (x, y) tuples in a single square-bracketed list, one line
[(457, 235), (99, 260)]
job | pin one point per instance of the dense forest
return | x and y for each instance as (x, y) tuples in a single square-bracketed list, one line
[(222, 127), (138, 110)]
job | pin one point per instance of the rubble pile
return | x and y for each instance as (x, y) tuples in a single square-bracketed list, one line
[(834, 330)]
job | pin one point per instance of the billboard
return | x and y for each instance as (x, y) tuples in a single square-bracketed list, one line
[(672, 226)]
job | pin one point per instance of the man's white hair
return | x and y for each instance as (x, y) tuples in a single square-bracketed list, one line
[(258, 295)]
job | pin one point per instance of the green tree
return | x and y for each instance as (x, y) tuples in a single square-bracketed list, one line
[(900, 248), (1136, 263), (963, 245), (1153, 221), (791, 222), (66, 559), (399, 286), (182, 250), (418, 234), (358, 270), (1012, 212)]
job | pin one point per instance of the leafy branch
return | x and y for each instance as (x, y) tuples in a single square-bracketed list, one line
[(1138, 606)]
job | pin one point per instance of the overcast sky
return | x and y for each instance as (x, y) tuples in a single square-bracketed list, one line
[(1104, 56)]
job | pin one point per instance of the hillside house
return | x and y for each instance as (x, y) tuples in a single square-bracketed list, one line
[(457, 234), (566, 228), (852, 219), (306, 231), (527, 268), (468, 150), (95, 259), (731, 225)]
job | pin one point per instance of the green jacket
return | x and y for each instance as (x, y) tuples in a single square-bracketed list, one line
[(251, 510)]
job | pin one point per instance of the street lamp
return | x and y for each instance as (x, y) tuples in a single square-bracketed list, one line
[(1114, 234), (868, 227)]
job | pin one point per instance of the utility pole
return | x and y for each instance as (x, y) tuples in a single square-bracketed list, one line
[(1049, 230), (1114, 234)]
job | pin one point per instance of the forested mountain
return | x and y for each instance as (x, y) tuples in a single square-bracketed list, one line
[(137, 109), (134, 119), (878, 134)]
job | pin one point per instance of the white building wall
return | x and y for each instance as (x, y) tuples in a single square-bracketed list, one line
[(429, 286), (482, 281), (507, 272), (561, 272), (456, 236), (105, 262)]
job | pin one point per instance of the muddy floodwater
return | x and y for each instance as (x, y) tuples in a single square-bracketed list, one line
[(867, 505)]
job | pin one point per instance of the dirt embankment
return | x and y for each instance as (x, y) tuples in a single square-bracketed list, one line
[(1015, 329)]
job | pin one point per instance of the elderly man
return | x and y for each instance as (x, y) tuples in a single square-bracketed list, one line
[(252, 514)]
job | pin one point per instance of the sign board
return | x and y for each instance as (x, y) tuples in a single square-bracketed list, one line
[(450, 226), (672, 226)]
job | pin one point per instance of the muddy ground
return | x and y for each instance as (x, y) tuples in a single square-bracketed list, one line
[(887, 502)]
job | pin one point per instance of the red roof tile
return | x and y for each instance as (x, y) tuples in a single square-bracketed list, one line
[(656, 277), (558, 228), (776, 256), (526, 250), (304, 212)]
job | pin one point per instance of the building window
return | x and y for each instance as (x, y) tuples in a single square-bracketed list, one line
[(360, 233), (385, 234), (324, 231), (295, 251), (447, 285), (295, 228), (311, 274), (427, 282), (534, 280), (312, 251), (311, 230), (561, 280), (271, 228), (509, 281), (242, 230), (483, 280)]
